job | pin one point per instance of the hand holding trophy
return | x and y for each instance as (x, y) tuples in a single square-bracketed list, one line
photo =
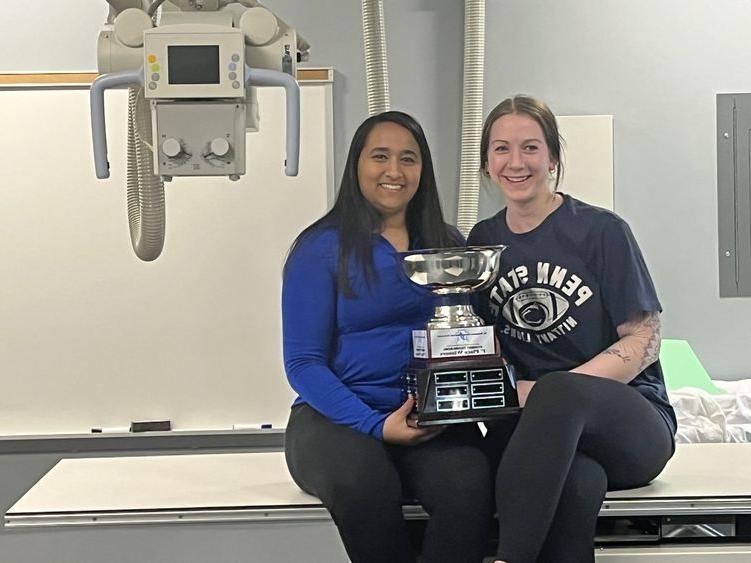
[(457, 373)]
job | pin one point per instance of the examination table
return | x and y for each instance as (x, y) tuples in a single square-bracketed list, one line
[(244, 507)]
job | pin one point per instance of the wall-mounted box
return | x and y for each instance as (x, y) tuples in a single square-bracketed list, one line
[(734, 193)]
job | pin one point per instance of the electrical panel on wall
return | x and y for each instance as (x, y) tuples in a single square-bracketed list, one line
[(734, 193)]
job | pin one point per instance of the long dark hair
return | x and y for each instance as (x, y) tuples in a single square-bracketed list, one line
[(357, 220), (535, 109)]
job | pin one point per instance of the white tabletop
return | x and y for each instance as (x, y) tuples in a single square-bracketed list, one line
[(708, 476), (699, 471), (165, 482)]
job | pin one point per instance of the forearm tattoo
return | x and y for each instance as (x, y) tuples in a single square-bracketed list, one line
[(615, 351), (652, 349), (641, 341)]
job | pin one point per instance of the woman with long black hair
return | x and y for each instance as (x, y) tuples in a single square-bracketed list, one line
[(347, 322)]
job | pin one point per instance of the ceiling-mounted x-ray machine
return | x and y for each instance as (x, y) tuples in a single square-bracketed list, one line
[(191, 69)]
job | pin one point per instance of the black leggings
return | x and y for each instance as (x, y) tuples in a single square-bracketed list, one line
[(577, 437), (363, 482)]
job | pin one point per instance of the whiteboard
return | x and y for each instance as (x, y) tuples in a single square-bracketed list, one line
[(90, 336)]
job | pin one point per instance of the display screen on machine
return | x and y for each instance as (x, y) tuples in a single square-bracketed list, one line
[(193, 64)]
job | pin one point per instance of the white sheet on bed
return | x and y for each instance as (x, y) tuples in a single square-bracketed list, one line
[(703, 417)]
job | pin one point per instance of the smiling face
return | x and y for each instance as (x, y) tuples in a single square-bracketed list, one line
[(519, 161), (389, 168)]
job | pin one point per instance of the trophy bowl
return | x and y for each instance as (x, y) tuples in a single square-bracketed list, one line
[(452, 270), (453, 273)]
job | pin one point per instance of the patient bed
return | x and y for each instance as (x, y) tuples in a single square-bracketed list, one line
[(698, 509)]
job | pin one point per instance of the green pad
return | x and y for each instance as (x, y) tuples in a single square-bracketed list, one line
[(681, 367)]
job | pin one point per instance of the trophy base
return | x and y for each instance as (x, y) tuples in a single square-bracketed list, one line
[(453, 391)]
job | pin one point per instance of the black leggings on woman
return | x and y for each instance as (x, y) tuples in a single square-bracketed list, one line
[(363, 482), (577, 437)]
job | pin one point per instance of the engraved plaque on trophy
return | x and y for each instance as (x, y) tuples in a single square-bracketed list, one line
[(457, 373)]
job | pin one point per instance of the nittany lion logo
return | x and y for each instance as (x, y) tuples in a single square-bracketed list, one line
[(535, 309)]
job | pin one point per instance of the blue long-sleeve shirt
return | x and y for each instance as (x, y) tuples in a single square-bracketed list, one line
[(345, 356)]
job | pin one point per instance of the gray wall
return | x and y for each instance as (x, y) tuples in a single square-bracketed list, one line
[(425, 43), (655, 66)]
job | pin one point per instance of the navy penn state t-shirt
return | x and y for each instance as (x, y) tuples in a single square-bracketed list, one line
[(564, 287)]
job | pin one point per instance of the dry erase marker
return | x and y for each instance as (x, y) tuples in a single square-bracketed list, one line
[(111, 430), (253, 426)]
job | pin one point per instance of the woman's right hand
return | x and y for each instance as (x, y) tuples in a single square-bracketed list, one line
[(397, 430)]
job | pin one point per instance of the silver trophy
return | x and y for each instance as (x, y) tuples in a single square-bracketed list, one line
[(457, 373)]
